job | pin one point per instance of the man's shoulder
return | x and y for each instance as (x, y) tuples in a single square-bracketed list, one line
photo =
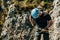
[(45, 14)]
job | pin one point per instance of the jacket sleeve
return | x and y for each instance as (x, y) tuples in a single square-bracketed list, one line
[(48, 17)]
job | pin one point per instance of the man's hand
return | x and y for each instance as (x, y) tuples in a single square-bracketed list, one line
[(44, 30)]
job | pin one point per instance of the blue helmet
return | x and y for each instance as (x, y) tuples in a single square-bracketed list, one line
[(35, 12)]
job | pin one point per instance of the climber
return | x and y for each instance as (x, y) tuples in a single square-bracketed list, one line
[(43, 20)]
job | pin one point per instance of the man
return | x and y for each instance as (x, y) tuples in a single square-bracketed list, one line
[(43, 20)]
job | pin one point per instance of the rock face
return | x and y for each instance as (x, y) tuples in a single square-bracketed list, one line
[(56, 20), (18, 27)]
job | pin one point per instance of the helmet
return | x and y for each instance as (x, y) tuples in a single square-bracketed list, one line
[(35, 12)]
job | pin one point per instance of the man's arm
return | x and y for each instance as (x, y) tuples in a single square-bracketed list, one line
[(50, 22), (31, 20)]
